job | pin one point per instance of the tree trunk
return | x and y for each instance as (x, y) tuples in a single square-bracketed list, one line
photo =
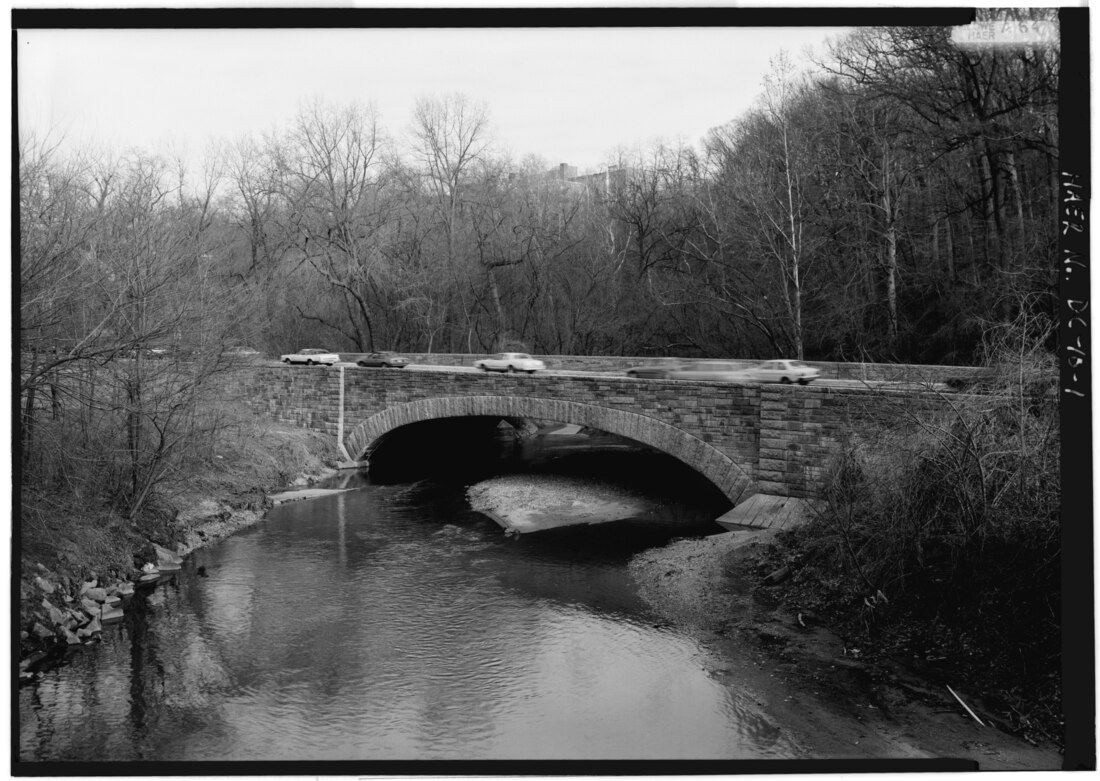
[(28, 424), (133, 432), (888, 210), (936, 243), (796, 251), (992, 163), (498, 308), (950, 250), (1014, 177), (891, 282)]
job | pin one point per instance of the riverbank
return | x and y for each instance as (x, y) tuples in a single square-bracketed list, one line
[(812, 684), (78, 559), (791, 664), (846, 702)]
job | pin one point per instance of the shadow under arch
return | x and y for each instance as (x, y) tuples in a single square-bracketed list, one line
[(730, 477)]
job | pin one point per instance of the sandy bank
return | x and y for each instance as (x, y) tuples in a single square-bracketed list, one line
[(533, 502), (814, 689)]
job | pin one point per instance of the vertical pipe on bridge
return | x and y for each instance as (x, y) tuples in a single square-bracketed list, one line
[(340, 421)]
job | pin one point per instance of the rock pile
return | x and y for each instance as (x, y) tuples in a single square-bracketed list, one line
[(74, 613)]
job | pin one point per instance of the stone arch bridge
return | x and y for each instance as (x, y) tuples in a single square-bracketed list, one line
[(744, 438)]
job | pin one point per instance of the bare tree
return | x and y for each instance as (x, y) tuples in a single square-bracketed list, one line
[(450, 134), (336, 209)]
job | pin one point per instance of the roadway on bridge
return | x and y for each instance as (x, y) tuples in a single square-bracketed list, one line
[(831, 383)]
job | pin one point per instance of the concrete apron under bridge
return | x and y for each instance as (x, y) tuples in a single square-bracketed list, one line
[(767, 511), (771, 441)]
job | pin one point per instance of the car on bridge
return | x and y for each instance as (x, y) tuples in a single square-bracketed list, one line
[(658, 370), (383, 359), (722, 371), (310, 356), (784, 371), (510, 362)]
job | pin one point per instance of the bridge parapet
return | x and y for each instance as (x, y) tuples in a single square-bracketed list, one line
[(891, 372)]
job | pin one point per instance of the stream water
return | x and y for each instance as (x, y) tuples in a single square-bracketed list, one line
[(391, 622)]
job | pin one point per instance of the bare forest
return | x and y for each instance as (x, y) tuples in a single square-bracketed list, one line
[(892, 205), (889, 206), (895, 203)]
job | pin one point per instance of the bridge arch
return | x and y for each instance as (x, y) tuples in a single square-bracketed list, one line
[(730, 477)]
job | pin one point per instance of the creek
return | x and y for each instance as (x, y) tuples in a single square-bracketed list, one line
[(392, 622)]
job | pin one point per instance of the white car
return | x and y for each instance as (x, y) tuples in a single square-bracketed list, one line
[(783, 371), (310, 356), (510, 362)]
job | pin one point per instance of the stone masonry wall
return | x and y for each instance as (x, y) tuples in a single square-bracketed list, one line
[(802, 428), (721, 415), (782, 436)]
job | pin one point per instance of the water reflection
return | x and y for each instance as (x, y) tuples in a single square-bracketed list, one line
[(393, 623)]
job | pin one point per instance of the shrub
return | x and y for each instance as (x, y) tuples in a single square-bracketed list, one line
[(945, 527)]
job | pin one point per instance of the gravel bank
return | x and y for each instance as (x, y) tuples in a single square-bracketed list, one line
[(687, 581)]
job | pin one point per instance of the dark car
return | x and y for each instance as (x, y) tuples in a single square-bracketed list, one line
[(658, 370), (720, 371), (383, 359)]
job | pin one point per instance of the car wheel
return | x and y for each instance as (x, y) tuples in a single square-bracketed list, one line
[(632, 374), (785, 380), (803, 381), (309, 362), (530, 371), (512, 369), (286, 360)]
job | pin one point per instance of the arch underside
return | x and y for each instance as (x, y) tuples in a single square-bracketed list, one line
[(726, 474)]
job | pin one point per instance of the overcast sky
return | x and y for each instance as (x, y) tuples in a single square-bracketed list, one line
[(569, 95)]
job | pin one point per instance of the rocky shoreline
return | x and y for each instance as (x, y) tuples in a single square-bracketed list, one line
[(69, 608)]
